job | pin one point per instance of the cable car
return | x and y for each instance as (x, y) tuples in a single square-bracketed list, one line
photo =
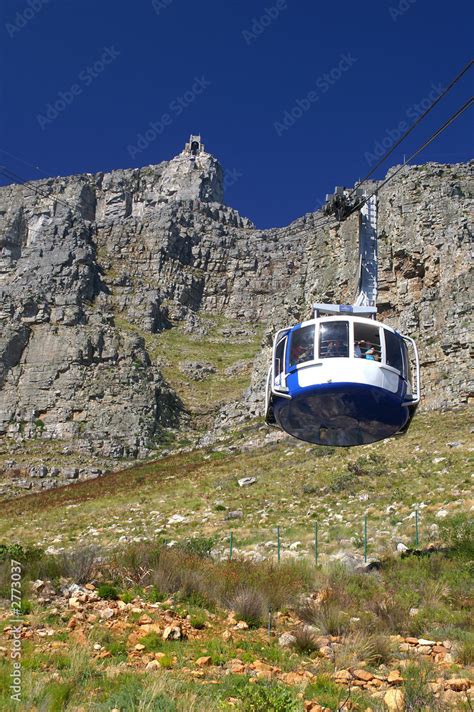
[(342, 378)]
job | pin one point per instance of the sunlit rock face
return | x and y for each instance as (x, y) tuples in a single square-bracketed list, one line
[(91, 264)]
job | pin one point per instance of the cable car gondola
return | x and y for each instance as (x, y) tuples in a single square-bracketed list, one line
[(342, 378)]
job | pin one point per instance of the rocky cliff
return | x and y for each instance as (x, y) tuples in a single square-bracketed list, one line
[(136, 301)]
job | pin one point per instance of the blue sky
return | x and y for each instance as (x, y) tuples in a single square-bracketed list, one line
[(292, 96)]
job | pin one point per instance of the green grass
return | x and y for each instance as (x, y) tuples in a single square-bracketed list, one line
[(293, 490), (173, 346)]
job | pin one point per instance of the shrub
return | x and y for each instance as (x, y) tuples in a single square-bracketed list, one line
[(327, 617), (250, 606), (108, 592), (458, 533), (271, 697), (358, 647), (389, 615), (154, 595), (465, 650), (25, 607), (79, 564), (135, 562), (305, 640), (200, 545), (126, 596), (198, 620), (373, 465), (166, 661), (418, 695), (342, 482)]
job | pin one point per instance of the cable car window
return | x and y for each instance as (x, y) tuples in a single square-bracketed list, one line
[(279, 357), (334, 339), (393, 347), (407, 365), (367, 342), (302, 345)]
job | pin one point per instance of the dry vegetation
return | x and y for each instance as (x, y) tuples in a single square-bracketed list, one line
[(148, 551)]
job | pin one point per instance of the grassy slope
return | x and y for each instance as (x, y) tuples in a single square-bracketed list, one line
[(297, 485)]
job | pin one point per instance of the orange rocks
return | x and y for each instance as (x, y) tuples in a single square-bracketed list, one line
[(204, 661), (394, 677), (363, 675), (394, 700)]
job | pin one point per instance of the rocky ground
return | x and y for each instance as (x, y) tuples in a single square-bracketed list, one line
[(102, 647), (388, 633)]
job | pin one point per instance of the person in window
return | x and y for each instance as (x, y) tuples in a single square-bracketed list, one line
[(370, 354), (357, 350), (332, 350), (303, 351), (363, 347)]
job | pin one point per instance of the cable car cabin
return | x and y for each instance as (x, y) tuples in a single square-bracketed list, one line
[(342, 380)]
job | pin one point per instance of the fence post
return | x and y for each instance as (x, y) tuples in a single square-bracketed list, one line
[(365, 538), (231, 544), (417, 532), (278, 544), (316, 552)]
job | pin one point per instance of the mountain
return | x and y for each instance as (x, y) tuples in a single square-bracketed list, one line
[(136, 306)]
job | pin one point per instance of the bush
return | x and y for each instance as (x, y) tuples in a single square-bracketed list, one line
[(458, 533), (135, 562), (198, 620), (200, 545), (107, 592), (79, 564), (418, 694), (465, 650), (373, 465), (126, 596), (271, 697), (358, 647), (305, 640), (327, 617), (250, 606)]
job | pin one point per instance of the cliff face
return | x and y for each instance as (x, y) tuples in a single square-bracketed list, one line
[(99, 274)]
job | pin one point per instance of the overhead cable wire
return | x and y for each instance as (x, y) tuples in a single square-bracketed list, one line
[(415, 123)]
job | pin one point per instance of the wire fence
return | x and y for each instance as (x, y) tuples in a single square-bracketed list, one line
[(317, 545)]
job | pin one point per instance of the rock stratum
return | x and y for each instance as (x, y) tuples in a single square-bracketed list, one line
[(102, 277)]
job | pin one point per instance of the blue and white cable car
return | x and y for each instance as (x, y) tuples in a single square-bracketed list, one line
[(342, 378)]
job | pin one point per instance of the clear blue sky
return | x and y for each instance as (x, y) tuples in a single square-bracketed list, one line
[(230, 70)]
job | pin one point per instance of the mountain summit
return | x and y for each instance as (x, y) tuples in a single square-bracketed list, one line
[(136, 301)]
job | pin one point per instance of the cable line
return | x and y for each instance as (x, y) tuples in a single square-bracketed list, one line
[(433, 136), (418, 120)]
